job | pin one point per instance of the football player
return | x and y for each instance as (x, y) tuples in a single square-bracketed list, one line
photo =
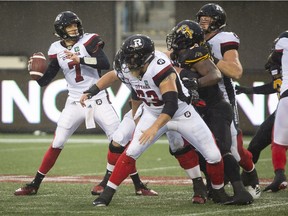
[(280, 134), (165, 107), (81, 57), (186, 41), (263, 136), (278, 67), (224, 49)]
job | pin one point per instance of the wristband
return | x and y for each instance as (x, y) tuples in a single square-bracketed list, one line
[(88, 60), (92, 91)]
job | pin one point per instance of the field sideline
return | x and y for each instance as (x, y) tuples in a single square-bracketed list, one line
[(66, 189)]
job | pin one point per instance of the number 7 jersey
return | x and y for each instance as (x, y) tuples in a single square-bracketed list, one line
[(79, 77)]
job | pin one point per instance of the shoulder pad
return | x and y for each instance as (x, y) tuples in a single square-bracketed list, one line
[(194, 55)]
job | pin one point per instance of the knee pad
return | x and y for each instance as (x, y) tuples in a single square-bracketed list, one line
[(116, 149), (180, 151), (188, 159)]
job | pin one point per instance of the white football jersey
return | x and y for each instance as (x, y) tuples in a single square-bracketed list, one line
[(282, 46), (78, 77), (220, 43), (147, 88)]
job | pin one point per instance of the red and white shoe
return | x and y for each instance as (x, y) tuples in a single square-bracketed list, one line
[(144, 191), (97, 190), (28, 189)]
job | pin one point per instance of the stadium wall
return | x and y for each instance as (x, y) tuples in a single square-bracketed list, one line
[(27, 27)]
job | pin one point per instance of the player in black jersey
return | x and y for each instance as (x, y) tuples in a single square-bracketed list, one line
[(217, 113), (224, 49)]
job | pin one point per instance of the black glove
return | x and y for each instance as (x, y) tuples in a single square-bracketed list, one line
[(93, 90), (243, 89), (190, 83)]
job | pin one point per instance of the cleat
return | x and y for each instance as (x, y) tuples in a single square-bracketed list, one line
[(200, 193), (221, 197), (241, 195), (142, 190), (197, 199), (251, 183), (28, 189), (100, 202), (105, 197), (97, 190), (243, 198), (254, 191), (279, 182)]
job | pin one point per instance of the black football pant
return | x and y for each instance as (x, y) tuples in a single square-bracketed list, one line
[(262, 138)]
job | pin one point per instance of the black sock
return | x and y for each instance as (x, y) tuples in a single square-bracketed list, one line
[(38, 179), (106, 178), (136, 179)]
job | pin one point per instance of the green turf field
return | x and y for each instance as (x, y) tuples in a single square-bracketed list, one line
[(85, 155)]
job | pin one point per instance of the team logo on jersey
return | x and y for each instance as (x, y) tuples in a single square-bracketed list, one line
[(146, 84), (76, 49), (187, 114), (161, 61), (98, 102)]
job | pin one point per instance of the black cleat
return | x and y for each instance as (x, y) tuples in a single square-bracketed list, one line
[(241, 195), (279, 182), (242, 198), (105, 197), (221, 197)]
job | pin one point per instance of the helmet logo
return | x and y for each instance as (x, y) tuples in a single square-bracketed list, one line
[(58, 17), (137, 43), (185, 30), (218, 8)]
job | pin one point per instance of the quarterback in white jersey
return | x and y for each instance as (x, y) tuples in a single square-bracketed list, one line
[(224, 49), (81, 58), (155, 82)]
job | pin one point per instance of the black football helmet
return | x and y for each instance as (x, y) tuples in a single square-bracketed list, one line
[(137, 50), (184, 35), (216, 12), (118, 66), (65, 19)]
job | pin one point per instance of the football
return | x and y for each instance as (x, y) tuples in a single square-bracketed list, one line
[(37, 65)]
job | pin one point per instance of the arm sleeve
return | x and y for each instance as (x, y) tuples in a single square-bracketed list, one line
[(264, 89), (50, 73), (95, 49)]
